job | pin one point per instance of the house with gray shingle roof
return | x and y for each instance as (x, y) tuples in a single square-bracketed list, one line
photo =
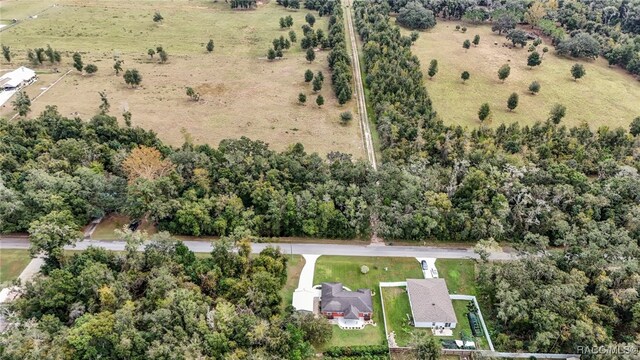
[(431, 305), (349, 308)]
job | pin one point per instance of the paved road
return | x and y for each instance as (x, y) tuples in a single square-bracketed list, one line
[(359, 90), (318, 249)]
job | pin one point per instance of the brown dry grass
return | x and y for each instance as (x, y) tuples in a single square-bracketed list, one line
[(605, 96), (243, 94)]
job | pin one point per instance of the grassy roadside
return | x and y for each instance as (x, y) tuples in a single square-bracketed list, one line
[(12, 262)]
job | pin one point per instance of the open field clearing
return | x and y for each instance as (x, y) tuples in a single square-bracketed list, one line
[(605, 96), (22, 9), (242, 94)]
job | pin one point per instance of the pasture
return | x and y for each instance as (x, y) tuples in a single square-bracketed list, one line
[(605, 96), (242, 93)]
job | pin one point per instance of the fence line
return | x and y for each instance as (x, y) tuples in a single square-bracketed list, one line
[(475, 301)]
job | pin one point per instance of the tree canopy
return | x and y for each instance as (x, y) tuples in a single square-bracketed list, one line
[(161, 302), (415, 16)]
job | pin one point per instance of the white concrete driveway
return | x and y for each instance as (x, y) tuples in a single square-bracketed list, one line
[(430, 272), (303, 296)]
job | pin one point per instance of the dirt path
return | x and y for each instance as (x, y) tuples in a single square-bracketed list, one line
[(359, 89)]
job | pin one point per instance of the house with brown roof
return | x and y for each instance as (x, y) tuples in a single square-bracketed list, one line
[(430, 303), (350, 309)]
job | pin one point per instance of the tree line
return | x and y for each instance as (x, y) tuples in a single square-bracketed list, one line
[(608, 28), (161, 303), (338, 58), (53, 163), (540, 186)]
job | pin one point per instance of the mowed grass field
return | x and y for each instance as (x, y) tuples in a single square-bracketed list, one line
[(12, 262), (242, 93), (605, 96), (346, 269)]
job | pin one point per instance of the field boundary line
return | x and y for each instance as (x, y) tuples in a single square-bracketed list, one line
[(45, 90), (359, 90)]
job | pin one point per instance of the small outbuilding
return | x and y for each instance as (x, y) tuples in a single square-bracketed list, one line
[(430, 303), (17, 79)]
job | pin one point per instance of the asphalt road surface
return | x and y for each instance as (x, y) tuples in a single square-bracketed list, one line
[(317, 249)]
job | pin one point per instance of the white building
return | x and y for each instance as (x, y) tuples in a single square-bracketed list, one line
[(431, 305), (17, 79)]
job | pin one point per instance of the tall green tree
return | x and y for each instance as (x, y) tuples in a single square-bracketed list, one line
[(132, 77), (517, 37), (22, 103), (476, 40), (310, 19), (308, 75), (426, 346), (77, 62), (484, 113), (311, 55), (534, 59), (504, 23), (317, 84), (51, 233), (558, 111), (433, 68), (577, 71), (320, 100), (504, 72), (466, 44), (512, 102)]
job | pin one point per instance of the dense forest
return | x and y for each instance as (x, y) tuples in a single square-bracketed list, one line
[(573, 190), (52, 163), (162, 303)]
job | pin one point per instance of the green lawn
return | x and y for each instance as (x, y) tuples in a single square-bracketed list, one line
[(294, 267), (459, 275), (605, 96), (396, 306), (347, 270), (12, 262)]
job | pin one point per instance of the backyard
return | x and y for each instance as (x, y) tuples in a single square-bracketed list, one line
[(605, 96)]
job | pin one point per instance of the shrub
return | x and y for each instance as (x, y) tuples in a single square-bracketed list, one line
[(364, 269), (346, 116), (534, 87)]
